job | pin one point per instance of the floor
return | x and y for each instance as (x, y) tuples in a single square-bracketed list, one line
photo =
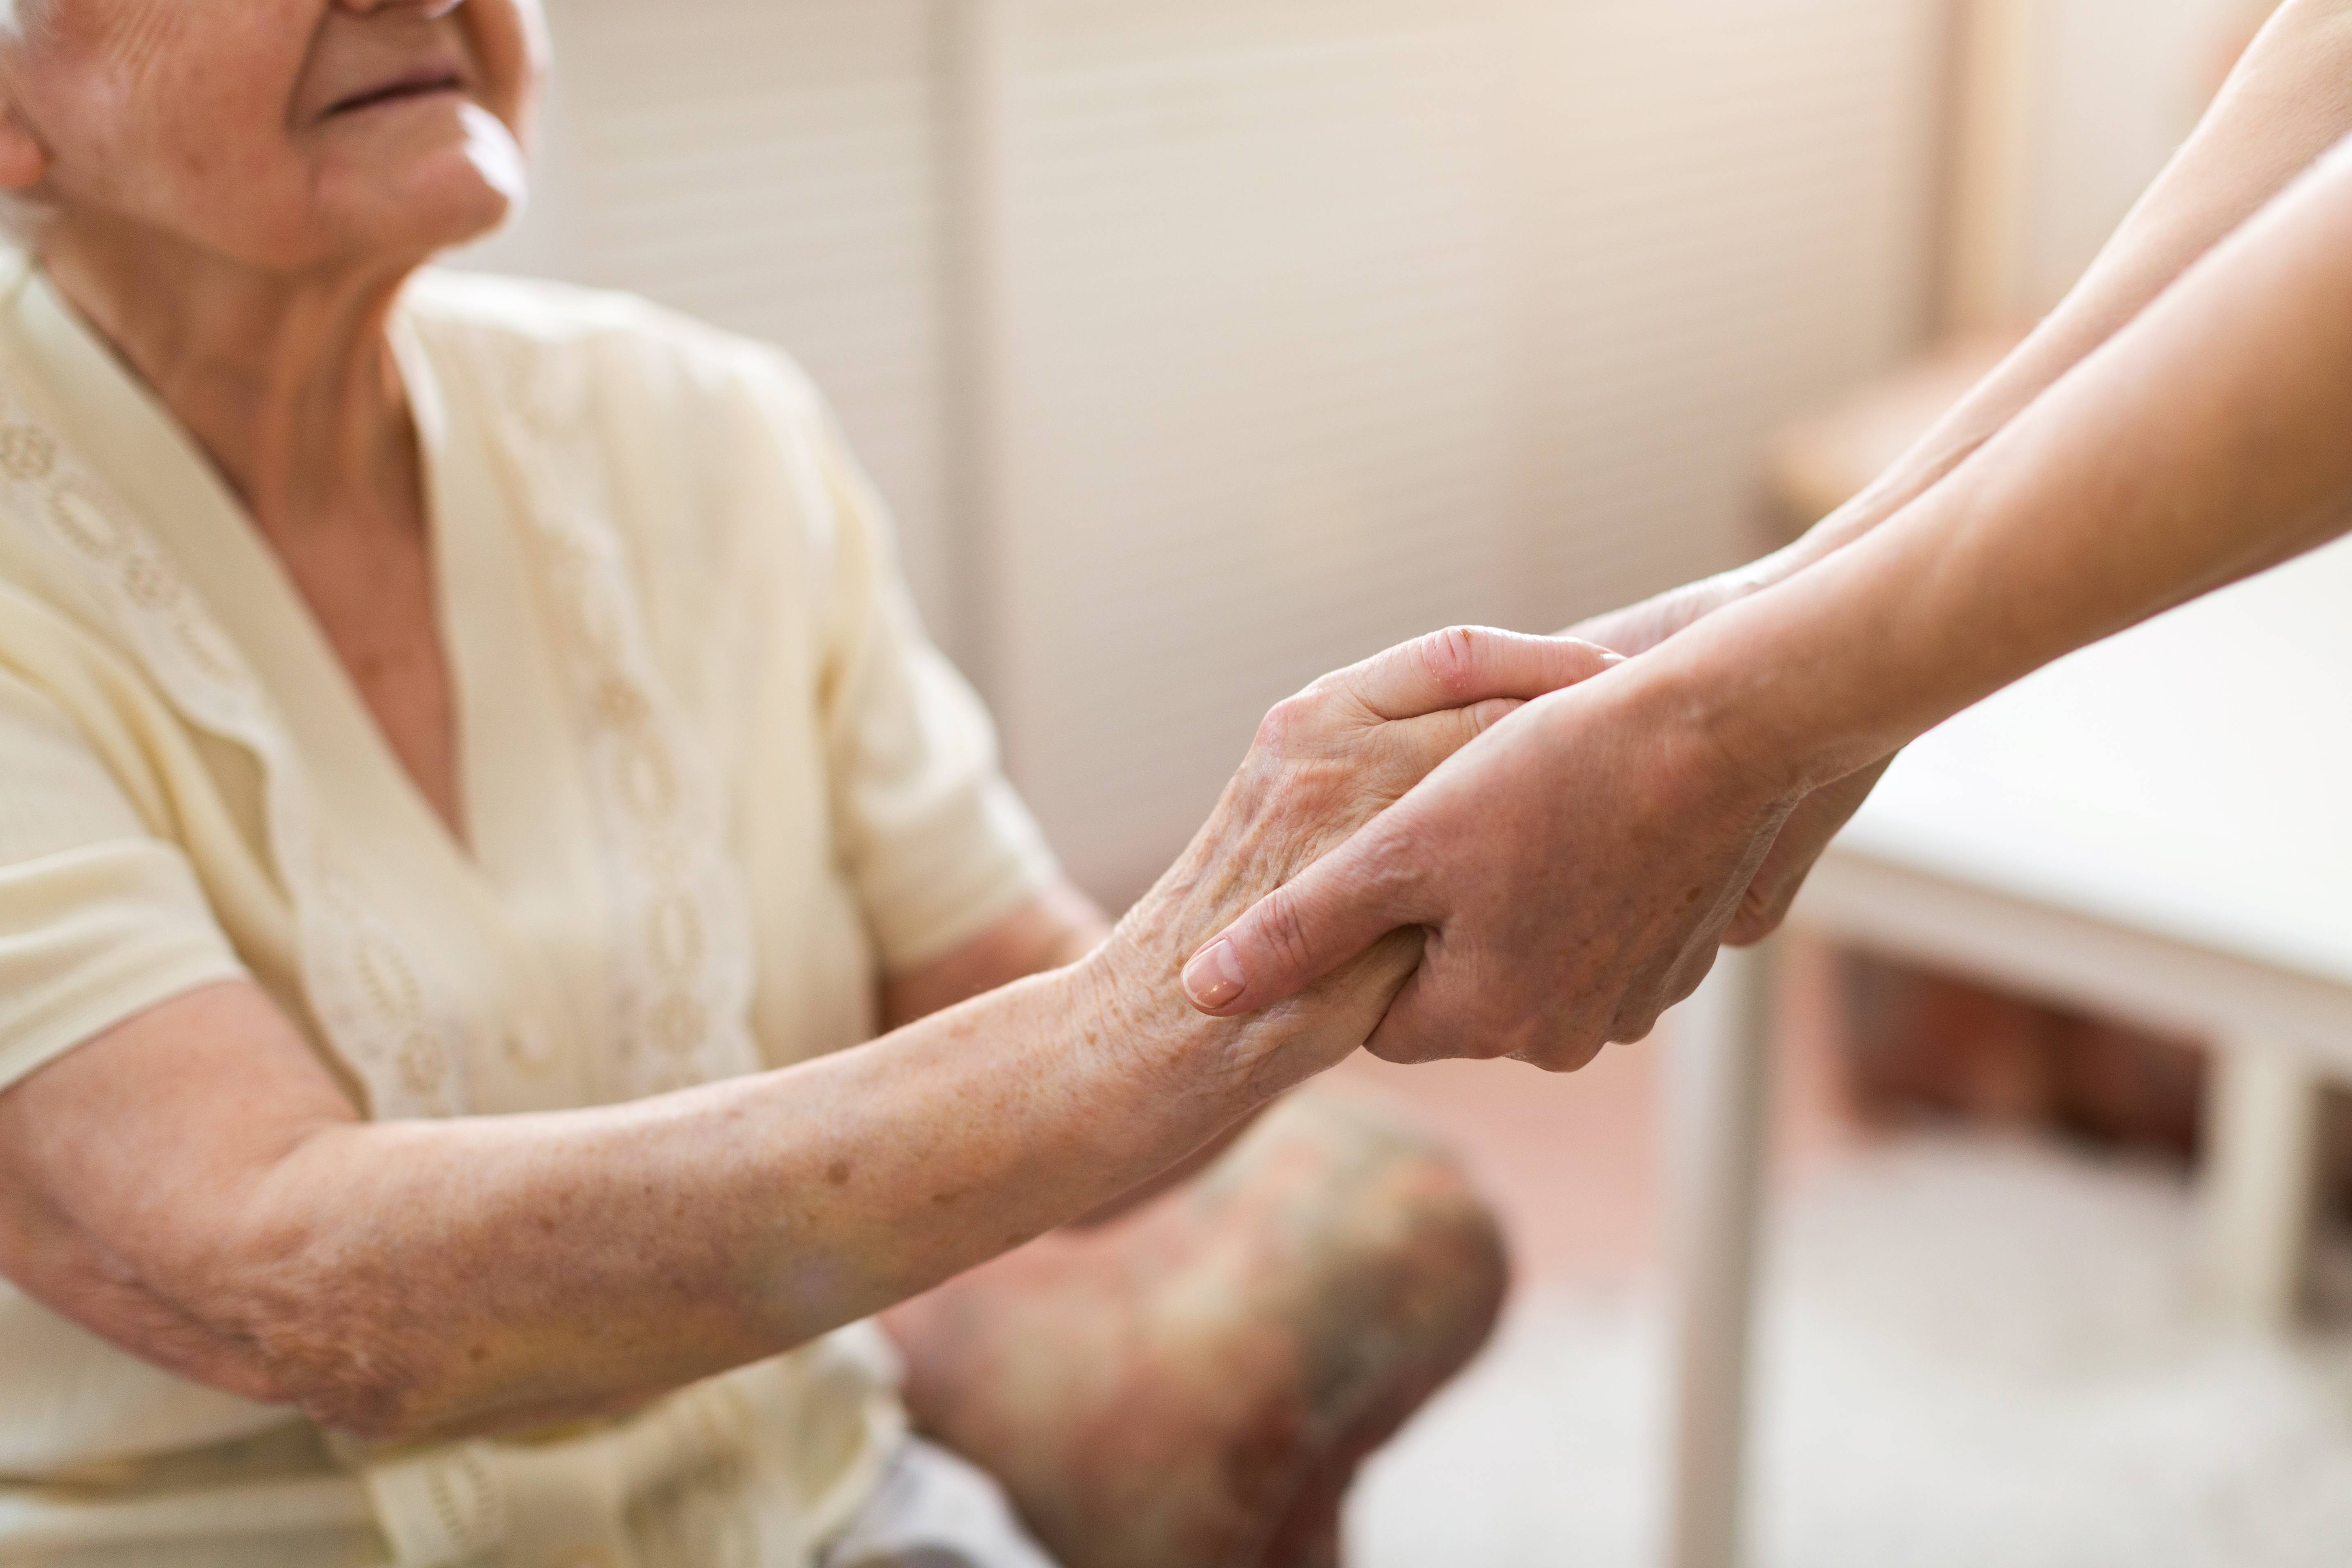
[(1974, 1350), (1571, 1162)]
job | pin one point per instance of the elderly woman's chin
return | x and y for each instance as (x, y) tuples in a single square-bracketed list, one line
[(411, 183)]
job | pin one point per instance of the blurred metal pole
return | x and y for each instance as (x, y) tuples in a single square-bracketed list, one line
[(1717, 1057)]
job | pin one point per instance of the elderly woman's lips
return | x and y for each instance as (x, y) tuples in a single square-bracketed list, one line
[(421, 85)]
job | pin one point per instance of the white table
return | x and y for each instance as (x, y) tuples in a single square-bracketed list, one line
[(2158, 830)]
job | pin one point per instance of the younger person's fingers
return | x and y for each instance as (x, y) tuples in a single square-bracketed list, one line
[(1819, 818), (1446, 1011), (1303, 930)]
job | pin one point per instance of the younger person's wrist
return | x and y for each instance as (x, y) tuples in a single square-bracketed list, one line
[(1740, 724)]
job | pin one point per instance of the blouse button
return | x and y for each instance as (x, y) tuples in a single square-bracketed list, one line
[(529, 1049)]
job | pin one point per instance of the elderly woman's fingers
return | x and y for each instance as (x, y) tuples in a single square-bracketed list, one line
[(1367, 983), (1412, 749), (1463, 665)]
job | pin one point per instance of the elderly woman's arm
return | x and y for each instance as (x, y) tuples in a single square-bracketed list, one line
[(195, 1187), (1058, 927)]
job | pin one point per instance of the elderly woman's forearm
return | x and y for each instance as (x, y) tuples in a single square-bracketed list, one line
[(437, 1277), (194, 1186)]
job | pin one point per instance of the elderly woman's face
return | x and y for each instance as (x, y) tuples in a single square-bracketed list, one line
[(285, 133)]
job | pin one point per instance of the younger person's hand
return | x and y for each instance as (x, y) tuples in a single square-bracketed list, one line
[(1325, 764)]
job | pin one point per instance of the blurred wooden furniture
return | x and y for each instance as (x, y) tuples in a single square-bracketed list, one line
[(2154, 830)]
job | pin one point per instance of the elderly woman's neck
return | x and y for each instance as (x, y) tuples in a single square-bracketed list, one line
[(289, 383)]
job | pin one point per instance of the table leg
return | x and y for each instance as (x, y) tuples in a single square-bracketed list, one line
[(2261, 1145), (1717, 1087)]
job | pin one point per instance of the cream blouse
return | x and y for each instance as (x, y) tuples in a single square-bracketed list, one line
[(715, 778)]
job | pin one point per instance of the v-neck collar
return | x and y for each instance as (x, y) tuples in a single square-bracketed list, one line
[(532, 835), (125, 432), (529, 881), (599, 906)]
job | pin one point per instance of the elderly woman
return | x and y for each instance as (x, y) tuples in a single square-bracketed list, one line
[(470, 774)]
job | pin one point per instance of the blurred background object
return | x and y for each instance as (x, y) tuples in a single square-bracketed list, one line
[(2058, 112), (1204, 345)]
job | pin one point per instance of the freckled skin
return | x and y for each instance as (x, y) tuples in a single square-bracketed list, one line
[(193, 1184)]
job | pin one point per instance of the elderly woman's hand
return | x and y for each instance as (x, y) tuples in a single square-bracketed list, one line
[(1324, 762)]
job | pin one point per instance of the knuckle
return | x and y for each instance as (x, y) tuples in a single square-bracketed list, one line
[(1402, 1048), (1563, 1051), (1763, 911), (1278, 732), (1639, 1024), (1453, 658), (1282, 931), (1388, 863), (1462, 1038)]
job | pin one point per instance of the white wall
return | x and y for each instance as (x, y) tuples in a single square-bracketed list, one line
[(1311, 323), (2121, 84)]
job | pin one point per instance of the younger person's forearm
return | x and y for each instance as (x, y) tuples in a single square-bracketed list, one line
[(2288, 102), (2203, 444)]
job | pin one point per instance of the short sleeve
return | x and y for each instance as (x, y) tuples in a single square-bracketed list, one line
[(99, 919), (936, 841)]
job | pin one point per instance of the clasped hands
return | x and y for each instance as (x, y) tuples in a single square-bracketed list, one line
[(1486, 845)]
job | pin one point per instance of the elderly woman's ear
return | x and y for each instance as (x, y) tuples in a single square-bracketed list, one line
[(24, 157), (23, 160)]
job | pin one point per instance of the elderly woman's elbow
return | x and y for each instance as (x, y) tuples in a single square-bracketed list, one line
[(364, 1383), (313, 1323), (342, 1370)]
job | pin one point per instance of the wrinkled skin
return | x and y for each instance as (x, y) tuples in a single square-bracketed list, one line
[(226, 129)]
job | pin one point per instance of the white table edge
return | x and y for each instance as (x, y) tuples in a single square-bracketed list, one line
[(2072, 958)]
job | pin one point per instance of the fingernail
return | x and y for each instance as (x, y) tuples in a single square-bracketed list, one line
[(1215, 977)]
